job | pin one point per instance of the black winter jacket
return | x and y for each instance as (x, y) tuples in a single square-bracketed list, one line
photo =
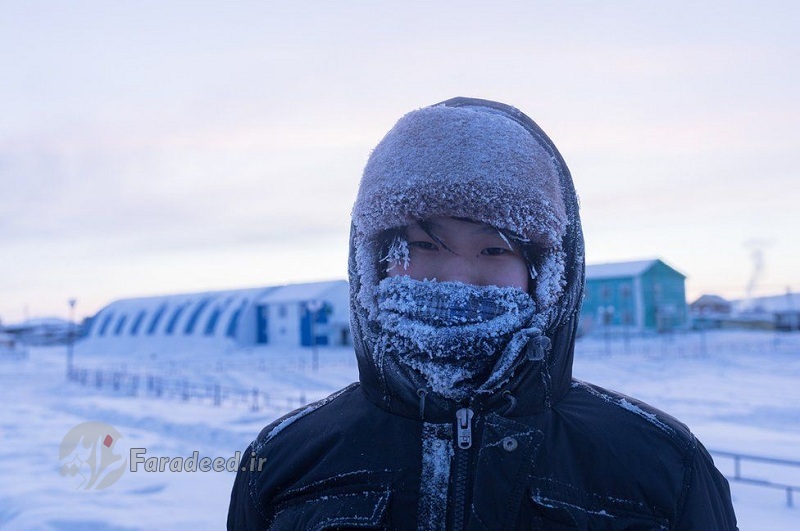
[(545, 452), (595, 460)]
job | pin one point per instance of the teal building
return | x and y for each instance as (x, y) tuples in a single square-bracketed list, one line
[(640, 296)]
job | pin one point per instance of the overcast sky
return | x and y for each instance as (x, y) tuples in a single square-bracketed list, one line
[(151, 147)]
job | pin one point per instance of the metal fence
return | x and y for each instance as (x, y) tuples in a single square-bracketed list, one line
[(740, 460), (688, 344), (129, 383)]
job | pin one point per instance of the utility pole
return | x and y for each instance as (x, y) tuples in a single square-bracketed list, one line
[(313, 307), (70, 336)]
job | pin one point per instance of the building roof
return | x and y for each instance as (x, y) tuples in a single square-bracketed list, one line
[(302, 292), (37, 323), (214, 313), (618, 269), (709, 298), (787, 302)]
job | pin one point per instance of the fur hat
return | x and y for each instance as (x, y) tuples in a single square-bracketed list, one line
[(462, 158), (467, 162)]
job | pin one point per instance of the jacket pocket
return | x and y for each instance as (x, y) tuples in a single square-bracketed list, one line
[(559, 515), (341, 510)]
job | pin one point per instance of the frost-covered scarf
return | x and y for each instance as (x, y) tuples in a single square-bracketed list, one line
[(455, 335)]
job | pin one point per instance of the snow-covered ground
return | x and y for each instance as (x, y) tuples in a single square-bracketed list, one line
[(737, 391)]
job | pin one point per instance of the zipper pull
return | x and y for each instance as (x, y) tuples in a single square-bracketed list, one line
[(464, 428)]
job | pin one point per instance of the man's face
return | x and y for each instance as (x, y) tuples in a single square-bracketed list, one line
[(457, 250)]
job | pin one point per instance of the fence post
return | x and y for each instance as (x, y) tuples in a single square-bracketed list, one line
[(254, 407), (184, 390), (737, 467), (789, 501), (217, 395)]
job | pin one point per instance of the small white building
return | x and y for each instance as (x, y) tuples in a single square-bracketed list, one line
[(43, 331), (10, 347), (306, 314), (294, 315), (781, 311)]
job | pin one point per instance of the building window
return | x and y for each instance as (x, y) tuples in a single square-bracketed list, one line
[(137, 323), (212, 321), (657, 289), (627, 318), (605, 292), (282, 311), (120, 324), (625, 291), (195, 316), (211, 324), (104, 326), (173, 321), (156, 319), (606, 315), (233, 324)]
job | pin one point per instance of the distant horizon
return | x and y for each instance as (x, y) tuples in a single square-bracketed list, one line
[(689, 298)]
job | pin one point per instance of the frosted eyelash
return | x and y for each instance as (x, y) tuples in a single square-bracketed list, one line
[(398, 254)]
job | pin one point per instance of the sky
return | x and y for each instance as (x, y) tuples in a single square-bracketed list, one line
[(154, 147)]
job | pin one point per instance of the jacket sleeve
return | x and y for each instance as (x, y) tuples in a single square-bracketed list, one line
[(243, 512), (706, 503)]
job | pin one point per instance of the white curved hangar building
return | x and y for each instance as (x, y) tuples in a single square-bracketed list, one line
[(293, 315)]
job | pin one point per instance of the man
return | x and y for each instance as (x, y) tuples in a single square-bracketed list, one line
[(466, 278)]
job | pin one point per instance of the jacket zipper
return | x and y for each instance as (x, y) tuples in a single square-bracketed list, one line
[(464, 428), (461, 482)]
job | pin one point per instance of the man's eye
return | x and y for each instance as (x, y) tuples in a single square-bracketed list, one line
[(496, 251), (424, 245)]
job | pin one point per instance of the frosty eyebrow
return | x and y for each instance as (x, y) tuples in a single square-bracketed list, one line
[(427, 229), (491, 229), (505, 239)]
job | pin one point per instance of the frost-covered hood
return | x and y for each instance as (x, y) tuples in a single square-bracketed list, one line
[(486, 161)]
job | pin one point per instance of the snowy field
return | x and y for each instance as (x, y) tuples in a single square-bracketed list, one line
[(737, 391)]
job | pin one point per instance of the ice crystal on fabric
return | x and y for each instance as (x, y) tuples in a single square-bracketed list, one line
[(462, 162), (453, 334), (437, 456), (550, 280)]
